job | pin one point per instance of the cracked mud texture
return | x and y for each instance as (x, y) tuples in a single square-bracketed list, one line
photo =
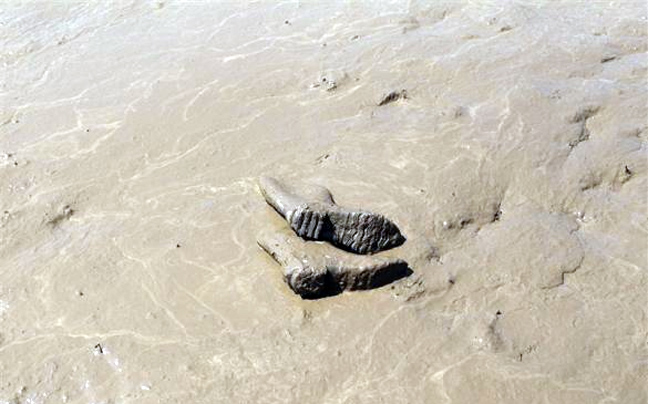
[(153, 121), (316, 270), (318, 218)]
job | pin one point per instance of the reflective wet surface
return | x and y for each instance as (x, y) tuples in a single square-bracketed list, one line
[(132, 137)]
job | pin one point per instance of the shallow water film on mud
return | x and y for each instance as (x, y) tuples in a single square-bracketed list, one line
[(507, 140)]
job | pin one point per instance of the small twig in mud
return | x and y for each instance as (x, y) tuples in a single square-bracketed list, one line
[(98, 349)]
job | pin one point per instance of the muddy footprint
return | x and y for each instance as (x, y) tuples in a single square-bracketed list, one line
[(319, 218), (316, 270)]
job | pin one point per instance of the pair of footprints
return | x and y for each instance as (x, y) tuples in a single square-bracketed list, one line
[(315, 270)]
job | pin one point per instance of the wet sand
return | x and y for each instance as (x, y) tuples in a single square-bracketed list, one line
[(132, 137)]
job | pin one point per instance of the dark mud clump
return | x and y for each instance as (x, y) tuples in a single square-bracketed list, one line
[(393, 97)]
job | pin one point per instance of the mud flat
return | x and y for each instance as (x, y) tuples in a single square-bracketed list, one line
[(507, 140)]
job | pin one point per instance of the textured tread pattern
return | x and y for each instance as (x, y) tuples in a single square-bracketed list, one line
[(321, 219), (356, 231), (307, 223)]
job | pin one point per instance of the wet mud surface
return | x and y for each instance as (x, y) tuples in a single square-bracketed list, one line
[(132, 136)]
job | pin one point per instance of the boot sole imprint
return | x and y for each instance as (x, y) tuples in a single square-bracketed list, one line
[(356, 231)]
